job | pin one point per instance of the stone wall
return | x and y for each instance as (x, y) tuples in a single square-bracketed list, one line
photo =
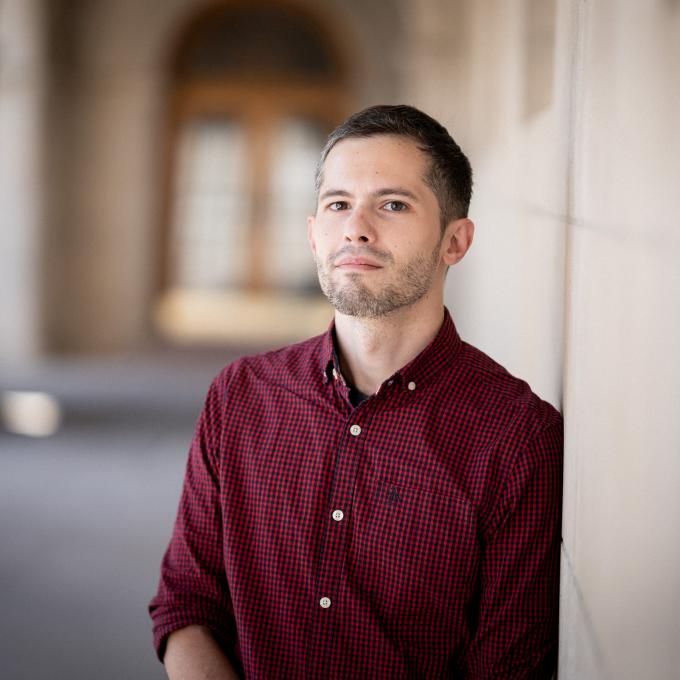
[(569, 112)]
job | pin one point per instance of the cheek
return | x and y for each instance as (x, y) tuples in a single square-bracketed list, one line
[(321, 242)]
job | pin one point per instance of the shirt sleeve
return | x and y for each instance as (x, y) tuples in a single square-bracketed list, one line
[(193, 587), (516, 636)]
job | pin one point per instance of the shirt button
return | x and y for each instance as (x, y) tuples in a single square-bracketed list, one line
[(335, 374), (412, 386), (355, 430), (337, 515), (325, 602)]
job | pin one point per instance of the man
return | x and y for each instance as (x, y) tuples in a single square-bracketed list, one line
[(381, 501)]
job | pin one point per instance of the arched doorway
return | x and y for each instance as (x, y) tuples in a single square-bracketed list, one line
[(254, 90)]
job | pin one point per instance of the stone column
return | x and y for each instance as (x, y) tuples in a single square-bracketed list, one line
[(22, 104)]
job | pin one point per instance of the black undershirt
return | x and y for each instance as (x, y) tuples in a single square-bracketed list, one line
[(356, 397)]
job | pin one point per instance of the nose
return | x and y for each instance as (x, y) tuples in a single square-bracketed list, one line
[(358, 228)]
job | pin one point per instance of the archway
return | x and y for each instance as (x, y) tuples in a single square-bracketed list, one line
[(254, 90)]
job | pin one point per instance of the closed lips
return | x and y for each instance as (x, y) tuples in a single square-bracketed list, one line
[(357, 262)]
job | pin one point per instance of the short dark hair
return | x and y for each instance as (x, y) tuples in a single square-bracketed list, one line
[(449, 175)]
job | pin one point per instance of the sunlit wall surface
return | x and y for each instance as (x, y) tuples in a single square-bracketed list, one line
[(569, 110), (621, 612)]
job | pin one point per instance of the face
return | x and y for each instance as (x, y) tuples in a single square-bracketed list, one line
[(376, 235)]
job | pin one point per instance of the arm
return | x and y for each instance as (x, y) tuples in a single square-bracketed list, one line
[(516, 637), (193, 654), (193, 590)]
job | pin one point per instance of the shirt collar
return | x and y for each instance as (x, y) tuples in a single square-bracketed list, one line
[(440, 352), (331, 361), (329, 358)]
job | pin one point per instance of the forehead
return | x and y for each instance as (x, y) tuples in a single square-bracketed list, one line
[(377, 160)]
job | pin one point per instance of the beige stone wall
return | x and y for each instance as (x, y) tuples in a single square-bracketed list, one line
[(621, 612), (570, 116)]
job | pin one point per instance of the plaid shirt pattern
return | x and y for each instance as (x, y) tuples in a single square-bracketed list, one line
[(414, 536)]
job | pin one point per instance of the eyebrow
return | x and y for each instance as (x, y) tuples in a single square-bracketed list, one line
[(387, 191)]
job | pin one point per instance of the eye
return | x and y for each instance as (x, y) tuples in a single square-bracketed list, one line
[(335, 206), (395, 206)]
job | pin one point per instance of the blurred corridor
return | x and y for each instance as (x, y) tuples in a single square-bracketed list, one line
[(86, 514)]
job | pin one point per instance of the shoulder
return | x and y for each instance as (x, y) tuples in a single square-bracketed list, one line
[(504, 404), (523, 434), (296, 363)]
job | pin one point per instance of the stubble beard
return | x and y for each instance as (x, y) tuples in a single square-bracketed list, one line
[(354, 298)]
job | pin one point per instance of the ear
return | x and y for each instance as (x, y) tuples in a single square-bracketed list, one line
[(457, 239), (311, 221)]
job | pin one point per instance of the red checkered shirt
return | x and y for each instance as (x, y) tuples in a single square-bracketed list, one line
[(414, 536)]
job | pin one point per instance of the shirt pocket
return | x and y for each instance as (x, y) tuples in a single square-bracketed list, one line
[(414, 552)]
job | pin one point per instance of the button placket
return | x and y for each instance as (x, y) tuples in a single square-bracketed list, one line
[(350, 445)]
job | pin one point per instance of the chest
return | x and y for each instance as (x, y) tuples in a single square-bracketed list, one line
[(377, 504)]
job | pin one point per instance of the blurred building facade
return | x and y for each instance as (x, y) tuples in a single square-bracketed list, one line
[(568, 110)]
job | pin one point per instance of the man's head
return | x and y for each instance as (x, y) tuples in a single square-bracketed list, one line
[(449, 174), (392, 194)]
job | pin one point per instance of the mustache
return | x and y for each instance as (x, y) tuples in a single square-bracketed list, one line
[(383, 256)]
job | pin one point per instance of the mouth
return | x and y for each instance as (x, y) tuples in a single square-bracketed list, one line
[(357, 263)]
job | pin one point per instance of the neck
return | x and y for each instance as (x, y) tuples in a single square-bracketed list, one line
[(372, 349)]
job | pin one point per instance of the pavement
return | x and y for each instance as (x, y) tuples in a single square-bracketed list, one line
[(86, 514)]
